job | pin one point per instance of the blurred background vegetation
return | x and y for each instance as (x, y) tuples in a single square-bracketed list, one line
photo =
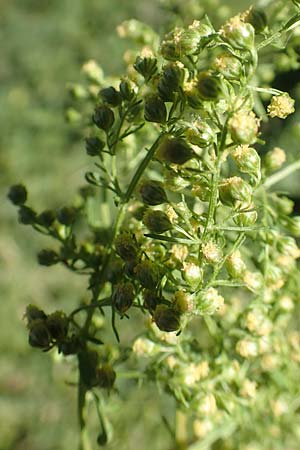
[(44, 44)]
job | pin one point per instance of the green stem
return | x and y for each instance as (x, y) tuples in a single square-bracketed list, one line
[(84, 442), (278, 176)]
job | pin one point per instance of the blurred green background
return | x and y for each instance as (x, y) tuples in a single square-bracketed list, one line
[(44, 44)]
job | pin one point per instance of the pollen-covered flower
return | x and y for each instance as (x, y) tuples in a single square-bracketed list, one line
[(281, 106)]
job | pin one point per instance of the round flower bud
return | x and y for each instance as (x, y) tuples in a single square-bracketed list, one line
[(106, 376), (66, 215), (208, 301), (211, 252), (103, 117), (192, 95), (281, 106), (33, 313), (235, 266), (284, 205), (47, 257), (293, 225), (151, 299), (245, 218), (123, 296), (94, 146), (200, 134), (46, 218), (182, 302), (146, 66), (165, 91), (70, 346), (39, 335), (192, 274), (175, 151), (17, 194), (174, 74), (111, 96), (208, 86), (152, 193), (155, 110), (180, 43), (243, 127), (274, 159), (229, 66), (26, 215), (166, 318), (257, 18), (144, 347), (288, 246), (247, 160), (126, 246), (156, 221), (247, 348), (238, 33), (58, 324), (127, 89), (147, 274), (235, 192), (93, 71), (115, 271)]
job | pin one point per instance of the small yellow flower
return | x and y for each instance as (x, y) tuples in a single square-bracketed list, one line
[(281, 106)]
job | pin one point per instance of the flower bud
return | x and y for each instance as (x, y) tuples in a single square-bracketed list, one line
[(111, 96), (46, 218), (47, 257), (103, 117), (151, 299), (247, 348), (243, 127), (175, 151), (146, 66), (88, 361), (192, 94), (235, 192), (115, 271), (245, 218), (26, 215), (200, 134), (274, 159), (182, 302), (293, 225), (174, 74), (284, 205), (247, 160), (165, 91), (33, 313), (94, 146), (155, 110), (39, 335), (144, 347), (288, 246), (235, 266), (238, 34), (147, 274), (229, 66), (123, 296), (17, 194), (66, 215), (208, 86), (152, 193), (57, 324), (192, 274), (208, 301), (127, 89), (166, 318), (70, 346), (126, 246), (180, 43), (93, 71), (106, 376), (281, 106), (211, 252), (156, 221)]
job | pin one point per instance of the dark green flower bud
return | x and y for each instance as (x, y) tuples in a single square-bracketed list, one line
[(257, 18), (17, 194), (175, 150), (111, 96), (152, 193), (33, 313), (146, 66), (26, 216), (156, 221), (94, 146), (47, 257), (208, 86), (103, 117), (115, 271), (165, 91), (88, 362), (46, 218), (58, 324), (70, 346), (166, 318), (123, 296), (106, 376), (180, 43), (66, 215), (151, 299), (39, 335), (174, 74), (126, 246), (147, 274), (127, 90), (155, 110)]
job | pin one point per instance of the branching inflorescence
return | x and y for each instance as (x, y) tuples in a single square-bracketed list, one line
[(193, 230)]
